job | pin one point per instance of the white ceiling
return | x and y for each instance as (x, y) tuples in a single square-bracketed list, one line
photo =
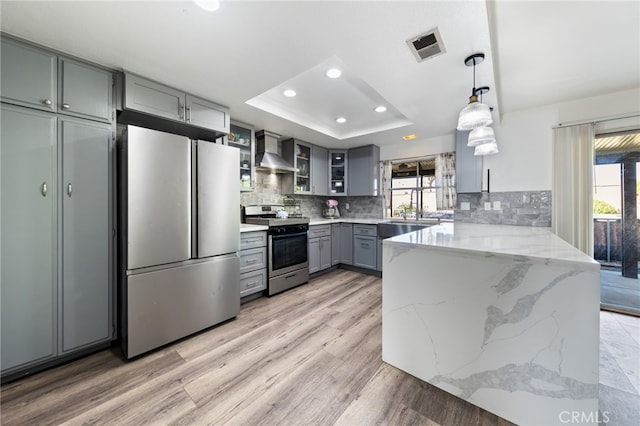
[(537, 53)]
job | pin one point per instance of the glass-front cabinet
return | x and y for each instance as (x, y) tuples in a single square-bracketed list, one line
[(299, 154), (338, 171), (242, 136)]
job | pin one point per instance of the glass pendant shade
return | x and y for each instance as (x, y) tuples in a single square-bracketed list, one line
[(474, 115), (486, 149), (481, 135)]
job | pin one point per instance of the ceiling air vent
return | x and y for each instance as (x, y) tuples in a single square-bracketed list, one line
[(426, 45)]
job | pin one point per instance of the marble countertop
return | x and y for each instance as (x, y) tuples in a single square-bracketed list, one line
[(531, 242)]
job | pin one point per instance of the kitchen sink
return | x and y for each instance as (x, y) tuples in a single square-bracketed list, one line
[(391, 229)]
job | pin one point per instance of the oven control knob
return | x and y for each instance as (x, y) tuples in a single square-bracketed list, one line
[(301, 228)]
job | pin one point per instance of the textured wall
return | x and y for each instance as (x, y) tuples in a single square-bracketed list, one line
[(525, 208)]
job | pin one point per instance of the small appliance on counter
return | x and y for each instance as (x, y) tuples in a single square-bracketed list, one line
[(331, 212)]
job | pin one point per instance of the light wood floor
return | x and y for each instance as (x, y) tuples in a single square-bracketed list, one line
[(311, 355)]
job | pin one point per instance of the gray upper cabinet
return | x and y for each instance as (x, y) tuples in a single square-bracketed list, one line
[(28, 268), (206, 114), (468, 166), (166, 102), (319, 171), (86, 237), (85, 91), (364, 171), (338, 172), (153, 98), (28, 76), (35, 78)]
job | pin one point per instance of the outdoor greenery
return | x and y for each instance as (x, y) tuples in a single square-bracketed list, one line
[(602, 207)]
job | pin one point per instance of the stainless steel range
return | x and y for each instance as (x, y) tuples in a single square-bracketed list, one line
[(287, 247)]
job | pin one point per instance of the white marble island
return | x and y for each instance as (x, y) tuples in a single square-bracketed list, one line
[(505, 317)]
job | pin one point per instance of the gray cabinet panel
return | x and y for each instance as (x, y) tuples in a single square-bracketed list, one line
[(468, 166), (84, 189), (27, 152), (346, 243), (85, 91), (319, 170), (165, 305), (364, 171), (218, 229), (159, 197), (314, 255), (153, 98), (325, 253), (28, 76), (364, 252), (335, 244), (208, 115)]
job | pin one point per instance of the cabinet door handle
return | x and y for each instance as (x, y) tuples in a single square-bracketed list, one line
[(43, 189), (188, 114), (69, 189), (47, 101), (252, 284), (364, 245), (66, 106), (251, 261), (181, 111)]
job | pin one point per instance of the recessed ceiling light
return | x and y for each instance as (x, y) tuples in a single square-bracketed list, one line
[(208, 5), (289, 93), (333, 73), (380, 108), (341, 120), (409, 137)]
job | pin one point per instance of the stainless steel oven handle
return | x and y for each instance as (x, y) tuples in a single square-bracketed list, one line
[(299, 234)]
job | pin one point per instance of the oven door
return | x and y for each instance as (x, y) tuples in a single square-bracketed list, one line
[(287, 253)]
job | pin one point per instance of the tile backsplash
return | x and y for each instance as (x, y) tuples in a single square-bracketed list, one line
[(268, 190), (525, 208)]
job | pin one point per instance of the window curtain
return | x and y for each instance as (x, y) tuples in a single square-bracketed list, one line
[(572, 187), (386, 187), (446, 181)]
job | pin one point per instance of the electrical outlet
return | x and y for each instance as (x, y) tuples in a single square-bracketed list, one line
[(346, 206), (465, 206), (487, 206), (496, 205)]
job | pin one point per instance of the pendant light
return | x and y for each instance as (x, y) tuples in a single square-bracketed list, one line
[(486, 149), (481, 135), (475, 114), (484, 134)]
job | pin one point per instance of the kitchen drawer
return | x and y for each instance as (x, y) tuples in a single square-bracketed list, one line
[(253, 282), (253, 259), (319, 231), (369, 230), (253, 239)]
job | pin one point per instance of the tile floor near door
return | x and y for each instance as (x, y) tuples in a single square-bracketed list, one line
[(619, 293), (620, 368)]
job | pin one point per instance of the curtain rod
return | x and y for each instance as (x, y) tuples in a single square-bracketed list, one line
[(595, 121)]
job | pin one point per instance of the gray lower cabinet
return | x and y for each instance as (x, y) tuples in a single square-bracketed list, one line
[(56, 236), (364, 252), (28, 267), (365, 246), (336, 240), (253, 262), (346, 243), (86, 232), (319, 248)]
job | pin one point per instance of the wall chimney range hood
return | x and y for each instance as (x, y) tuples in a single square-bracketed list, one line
[(267, 157)]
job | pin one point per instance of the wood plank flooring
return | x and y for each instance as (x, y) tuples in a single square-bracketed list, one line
[(311, 355)]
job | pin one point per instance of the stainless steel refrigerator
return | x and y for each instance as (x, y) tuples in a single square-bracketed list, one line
[(179, 237)]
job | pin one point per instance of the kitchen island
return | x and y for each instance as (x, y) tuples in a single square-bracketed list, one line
[(505, 317)]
